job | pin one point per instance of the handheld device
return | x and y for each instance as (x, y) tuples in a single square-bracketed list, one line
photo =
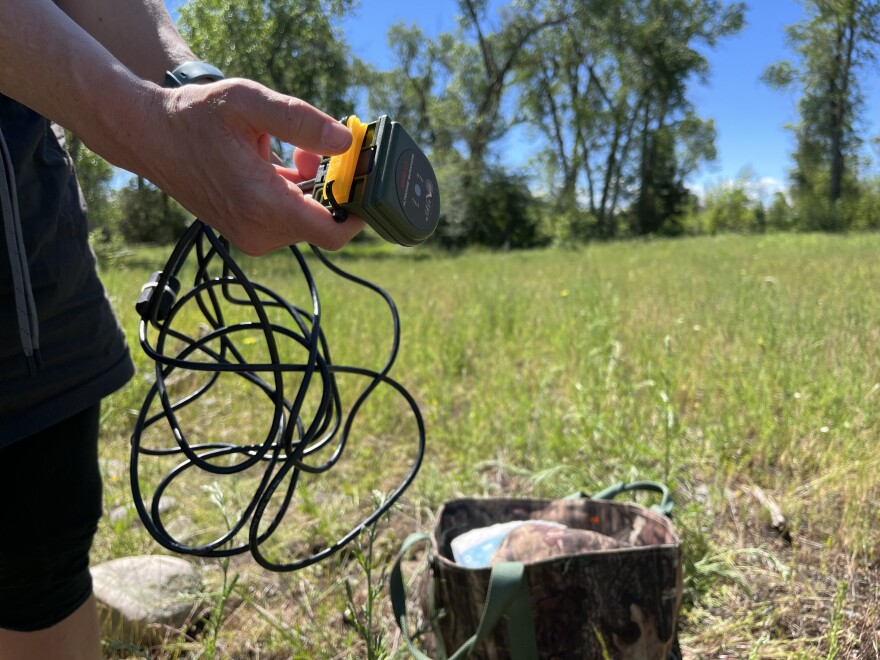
[(384, 178)]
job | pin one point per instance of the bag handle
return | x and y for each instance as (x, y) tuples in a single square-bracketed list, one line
[(508, 594), (665, 506)]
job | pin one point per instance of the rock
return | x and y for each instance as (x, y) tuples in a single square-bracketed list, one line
[(112, 469), (777, 519), (127, 512), (139, 598), (122, 512), (182, 529)]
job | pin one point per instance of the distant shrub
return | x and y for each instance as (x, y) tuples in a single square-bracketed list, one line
[(149, 215)]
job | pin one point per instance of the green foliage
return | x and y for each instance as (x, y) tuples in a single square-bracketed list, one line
[(779, 215), (495, 210), (503, 212), (608, 91), (292, 46), (729, 208), (95, 176), (451, 91), (662, 197), (409, 92), (866, 209), (452, 230), (149, 215)]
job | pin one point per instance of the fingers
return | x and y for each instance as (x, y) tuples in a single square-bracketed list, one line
[(305, 166), (264, 146), (313, 223), (282, 215), (326, 234), (306, 163)]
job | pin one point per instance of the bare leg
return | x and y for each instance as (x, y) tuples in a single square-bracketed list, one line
[(78, 637)]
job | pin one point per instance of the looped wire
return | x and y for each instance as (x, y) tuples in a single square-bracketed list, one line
[(300, 430)]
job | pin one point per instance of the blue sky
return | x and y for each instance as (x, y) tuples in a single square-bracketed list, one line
[(749, 117)]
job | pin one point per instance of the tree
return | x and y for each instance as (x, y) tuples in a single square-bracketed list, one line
[(578, 92), (835, 42), (292, 46), (484, 69), (669, 42), (451, 90), (506, 209), (94, 175), (412, 92), (610, 94), (729, 208), (149, 215)]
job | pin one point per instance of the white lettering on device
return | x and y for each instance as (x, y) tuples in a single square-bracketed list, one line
[(412, 159)]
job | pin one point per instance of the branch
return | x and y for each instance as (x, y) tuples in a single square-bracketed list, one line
[(485, 48)]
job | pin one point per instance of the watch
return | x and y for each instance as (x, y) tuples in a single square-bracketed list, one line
[(192, 72)]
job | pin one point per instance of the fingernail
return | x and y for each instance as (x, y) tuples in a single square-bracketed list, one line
[(336, 136)]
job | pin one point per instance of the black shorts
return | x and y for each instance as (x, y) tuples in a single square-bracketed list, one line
[(50, 503)]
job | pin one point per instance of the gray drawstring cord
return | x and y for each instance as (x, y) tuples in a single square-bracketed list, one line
[(25, 309)]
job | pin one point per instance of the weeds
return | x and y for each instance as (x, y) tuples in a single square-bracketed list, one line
[(219, 610), (836, 622), (363, 612)]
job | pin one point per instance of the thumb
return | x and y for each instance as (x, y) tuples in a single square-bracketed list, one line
[(288, 118)]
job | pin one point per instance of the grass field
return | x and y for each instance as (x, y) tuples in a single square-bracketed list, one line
[(742, 371)]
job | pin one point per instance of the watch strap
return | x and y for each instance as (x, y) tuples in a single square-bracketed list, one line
[(192, 72)]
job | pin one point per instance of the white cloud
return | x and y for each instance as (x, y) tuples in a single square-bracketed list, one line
[(758, 189)]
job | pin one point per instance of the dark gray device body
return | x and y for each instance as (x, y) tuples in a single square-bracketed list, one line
[(394, 188)]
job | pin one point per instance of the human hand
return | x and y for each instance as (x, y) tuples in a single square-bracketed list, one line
[(208, 146)]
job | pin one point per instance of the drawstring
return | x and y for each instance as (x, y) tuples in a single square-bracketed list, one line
[(25, 309)]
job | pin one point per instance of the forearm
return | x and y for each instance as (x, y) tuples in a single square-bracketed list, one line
[(139, 33), (48, 63)]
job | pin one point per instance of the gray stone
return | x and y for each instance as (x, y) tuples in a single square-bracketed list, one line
[(127, 512), (141, 598), (122, 512), (182, 529), (112, 468)]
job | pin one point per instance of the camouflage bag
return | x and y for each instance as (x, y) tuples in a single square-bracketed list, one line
[(593, 579)]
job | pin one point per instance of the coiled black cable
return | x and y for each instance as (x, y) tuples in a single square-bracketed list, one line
[(292, 438)]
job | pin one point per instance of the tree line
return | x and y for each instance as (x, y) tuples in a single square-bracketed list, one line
[(602, 88)]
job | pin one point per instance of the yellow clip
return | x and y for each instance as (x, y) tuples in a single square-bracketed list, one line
[(340, 171)]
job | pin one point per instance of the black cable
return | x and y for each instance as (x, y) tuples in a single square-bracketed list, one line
[(292, 438), (307, 186)]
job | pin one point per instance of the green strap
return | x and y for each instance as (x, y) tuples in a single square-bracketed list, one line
[(508, 594), (398, 592), (510, 589), (665, 506)]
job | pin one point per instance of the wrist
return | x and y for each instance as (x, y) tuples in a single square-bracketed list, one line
[(130, 115)]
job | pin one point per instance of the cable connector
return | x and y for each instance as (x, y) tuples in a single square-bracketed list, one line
[(158, 310)]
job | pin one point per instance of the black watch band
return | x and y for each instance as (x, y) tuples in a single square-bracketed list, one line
[(192, 72)]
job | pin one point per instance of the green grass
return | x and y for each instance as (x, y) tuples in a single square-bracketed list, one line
[(714, 364)]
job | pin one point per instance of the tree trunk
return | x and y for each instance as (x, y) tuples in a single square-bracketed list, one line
[(838, 92)]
